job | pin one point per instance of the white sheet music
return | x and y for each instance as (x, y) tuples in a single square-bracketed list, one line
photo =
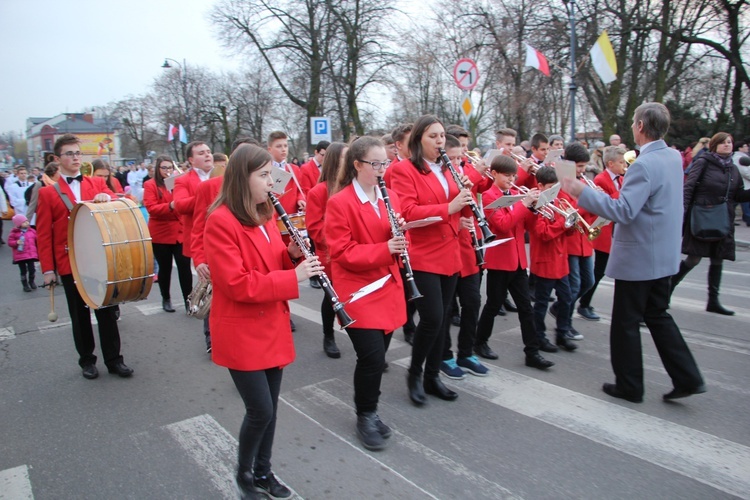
[(505, 201), (553, 157), (280, 179), (565, 169), (548, 195), (368, 289), (495, 243), (601, 222), (169, 181), (421, 223)]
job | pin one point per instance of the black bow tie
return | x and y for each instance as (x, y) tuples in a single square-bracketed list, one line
[(78, 178)]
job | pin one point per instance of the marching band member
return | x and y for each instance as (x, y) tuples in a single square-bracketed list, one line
[(315, 216), (506, 264), (610, 181), (166, 232), (425, 191), (549, 264), (101, 168), (359, 235), (467, 290), (309, 173), (52, 237), (253, 278), (539, 149), (293, 200)]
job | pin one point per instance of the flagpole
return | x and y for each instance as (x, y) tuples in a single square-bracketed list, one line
[(570, 5)]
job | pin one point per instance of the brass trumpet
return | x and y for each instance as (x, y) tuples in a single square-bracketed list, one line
[(474, 159), (572, 218)]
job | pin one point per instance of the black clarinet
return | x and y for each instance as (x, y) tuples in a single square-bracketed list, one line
[(412, 292), (344, 319), (478, 252), (487, 235)]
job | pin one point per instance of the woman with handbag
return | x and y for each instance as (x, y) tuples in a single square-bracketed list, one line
[(711, 190)]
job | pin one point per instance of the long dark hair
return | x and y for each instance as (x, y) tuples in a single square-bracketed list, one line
[(158, 177), (415, 141), (235, 189), (100, 164), (329, 170), (356, 152)]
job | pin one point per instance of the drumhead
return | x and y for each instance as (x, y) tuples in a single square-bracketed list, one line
[(90, 255)]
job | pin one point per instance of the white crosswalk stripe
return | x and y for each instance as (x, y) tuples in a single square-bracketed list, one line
[(15, 484)]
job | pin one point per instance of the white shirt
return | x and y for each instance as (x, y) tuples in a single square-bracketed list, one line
[(74, 186), (265, 233), (359, 190), (614, 177), (203, 176), (16, 191), (438, 171)]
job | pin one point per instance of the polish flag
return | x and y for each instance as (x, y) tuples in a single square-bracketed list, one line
[(536, 59), (171, 133)]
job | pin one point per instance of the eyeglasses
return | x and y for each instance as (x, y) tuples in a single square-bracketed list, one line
[(377, 165), (72, 154), (166, 167)]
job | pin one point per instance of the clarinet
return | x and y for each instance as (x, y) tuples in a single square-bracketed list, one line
[(344, 319), (487, 235), (478, 252), (411, 287)]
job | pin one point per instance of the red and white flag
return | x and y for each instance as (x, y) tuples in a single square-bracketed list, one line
[(171, 133), (536, 59)]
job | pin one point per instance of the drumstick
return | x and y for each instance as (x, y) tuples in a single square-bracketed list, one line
[(52, 316)]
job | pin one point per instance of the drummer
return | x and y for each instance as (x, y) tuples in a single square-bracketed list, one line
[(53, 209)]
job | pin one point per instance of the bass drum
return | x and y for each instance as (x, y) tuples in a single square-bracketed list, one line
[(110, 252)]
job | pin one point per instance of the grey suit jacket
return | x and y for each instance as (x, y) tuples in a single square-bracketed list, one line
[(648, 216)]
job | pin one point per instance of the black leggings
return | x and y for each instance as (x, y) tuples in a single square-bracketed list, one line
[(327, 314), (434, 316), (163, 253), (26, 267), (260, 393), (370, 346)]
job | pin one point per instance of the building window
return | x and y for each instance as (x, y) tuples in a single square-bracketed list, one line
[(48, 144)]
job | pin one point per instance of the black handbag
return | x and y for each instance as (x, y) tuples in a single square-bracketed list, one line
[(711, 222)]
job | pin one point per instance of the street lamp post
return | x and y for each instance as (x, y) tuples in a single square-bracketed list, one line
[(183, 82), (570, 5)]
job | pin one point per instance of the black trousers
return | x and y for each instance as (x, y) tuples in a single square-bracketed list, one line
[(649, 300), (83, 333), (600, 264), (370, 346), (434, 318), (259, 391), (467, 290), (411, 307), (27, 267), (499, 283), (164, 253), (327, 315)]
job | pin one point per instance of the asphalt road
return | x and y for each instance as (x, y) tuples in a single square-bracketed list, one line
[(170, 431)]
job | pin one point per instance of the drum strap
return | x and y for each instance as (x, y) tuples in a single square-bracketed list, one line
[(64, 197)]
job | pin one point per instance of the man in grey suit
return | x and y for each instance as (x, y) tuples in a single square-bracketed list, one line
[(645, 253)]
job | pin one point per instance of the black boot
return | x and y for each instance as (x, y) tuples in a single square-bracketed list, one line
[(714, 281), (330, 347), (368, 432), (675, 279), (32, 275), (25, 283), (416, 391)]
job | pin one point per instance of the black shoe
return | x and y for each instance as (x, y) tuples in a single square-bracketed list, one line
[(501, 311), (588, 313), (292, 325), (271, 486), (246, 485), (547, 346), (563, 341), (416, 391), (25, 283), (315, 283), (435, 387), (32, 284), (385, 367), (409, 338), (90, 372), (383, 429), (537, 361), (483, 351), (510, 306), (208, 344), (713, 307), (120, 369), (117, 313), (683, 393), (368, 432), (456, 320), (330, 347), (167, 306), (613, 391)]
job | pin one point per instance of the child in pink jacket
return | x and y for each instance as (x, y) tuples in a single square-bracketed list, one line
[(22, 239)]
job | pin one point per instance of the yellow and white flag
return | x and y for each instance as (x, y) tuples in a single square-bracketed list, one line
[(603, 59)]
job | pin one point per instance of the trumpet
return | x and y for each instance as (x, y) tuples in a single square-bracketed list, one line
[(589, 182), (572, 217), (474, 159), (487, 235), (520, 189)]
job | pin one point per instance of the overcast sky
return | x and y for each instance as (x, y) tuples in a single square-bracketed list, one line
[(68, 56)]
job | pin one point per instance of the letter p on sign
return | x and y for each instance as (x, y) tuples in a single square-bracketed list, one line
[(320, 129)]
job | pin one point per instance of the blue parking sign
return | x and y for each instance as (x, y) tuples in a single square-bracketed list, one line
[(320, 129)]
